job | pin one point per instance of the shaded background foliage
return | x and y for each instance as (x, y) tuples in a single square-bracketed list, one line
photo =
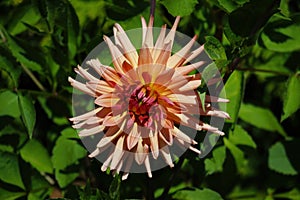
[(256, 46)]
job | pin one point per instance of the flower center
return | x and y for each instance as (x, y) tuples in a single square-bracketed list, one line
[(141, 101)]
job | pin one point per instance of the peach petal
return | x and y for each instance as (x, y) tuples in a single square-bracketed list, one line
[(179, 134), (82, 87), (118, 153), (194, 54), (170, 36), (85, 116), (133, 137), (167, 156), (154, 144), (83, 73), (91, 131), (140, 154), (100, 86), (184, 70), (108, 73), (107, 100), (179, 57), (209, 98), (148, 167)]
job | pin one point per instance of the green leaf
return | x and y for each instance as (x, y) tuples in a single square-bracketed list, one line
[(209, 72), (66, 152), (279, 161), (240, 137), (238, 155), (7, 195), (21, 54), (260, 118), (73, 29), (284, 7), (228, 5), (8, 64), (27, 14), (255, 14), (9, 104), (62, 14), (291, 102), (70, 133), (197, 194), (282, 35), (202, 99), (37, 155), (292, 194), (214, 48), (232, 37), (234, 89), (28, 113), (180, 7), (274, 63), (10, 171), (231, 5), (215, 164)]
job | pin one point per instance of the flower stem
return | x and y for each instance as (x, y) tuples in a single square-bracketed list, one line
[(152, 7), (263, 70), (33, 78), (149, 192), (173, 176)]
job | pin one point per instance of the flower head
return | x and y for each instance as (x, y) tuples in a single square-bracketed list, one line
[(143, 100)]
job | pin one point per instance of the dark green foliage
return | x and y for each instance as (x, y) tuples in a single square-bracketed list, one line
[(256, 46)]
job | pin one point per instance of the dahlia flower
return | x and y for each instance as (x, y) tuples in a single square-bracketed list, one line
[(143, 100)]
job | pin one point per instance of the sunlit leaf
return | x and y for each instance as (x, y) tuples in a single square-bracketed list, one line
[(180, 7), (70, 133), (216, 51), (282, 35), (28, 113), (197, 194), (10, 171), (37, 155), (291, 102), (21, 54), (279, 161), (215, 164), (229, 6), (240, 137), (9, 104), (66, 152), (260, 118), (292, 194), (284, 7), (8, 195), (234, 89), (27, 14)]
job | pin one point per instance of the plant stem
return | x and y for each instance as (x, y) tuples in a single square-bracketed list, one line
[(173, 176), (263, 70), (150, 194), (152, 7), (33, 78), (2, 36)]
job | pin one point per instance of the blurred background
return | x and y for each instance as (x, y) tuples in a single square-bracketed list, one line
[(256, 46)]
